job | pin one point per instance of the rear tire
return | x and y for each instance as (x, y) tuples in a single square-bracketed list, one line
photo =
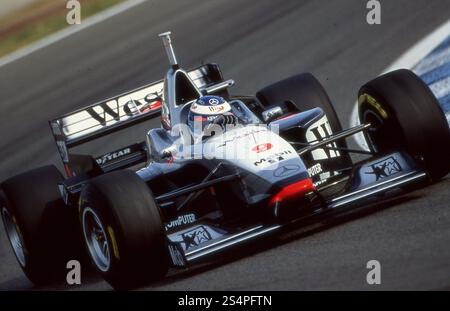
[(405, 114), (43, 232), (120, 207), (305, 92)]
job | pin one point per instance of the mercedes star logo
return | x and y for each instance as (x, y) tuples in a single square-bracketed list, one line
[(286, 170), (214, 101)]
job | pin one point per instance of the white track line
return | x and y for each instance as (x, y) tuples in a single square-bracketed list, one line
[(60, 35), (407, 61)]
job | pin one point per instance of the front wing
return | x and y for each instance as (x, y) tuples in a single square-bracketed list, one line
[(369, 181)]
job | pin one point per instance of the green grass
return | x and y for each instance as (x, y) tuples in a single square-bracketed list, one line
[(48, 25)]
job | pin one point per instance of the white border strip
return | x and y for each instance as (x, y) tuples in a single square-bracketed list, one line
[(62, 34), (408, 60)]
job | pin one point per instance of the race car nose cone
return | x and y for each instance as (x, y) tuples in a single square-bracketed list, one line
[(293, 192)]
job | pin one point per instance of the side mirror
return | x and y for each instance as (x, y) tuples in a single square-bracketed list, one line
[(272, 114), (168, 152)]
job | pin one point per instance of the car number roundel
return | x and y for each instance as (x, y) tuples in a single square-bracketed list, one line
[(262, 147)]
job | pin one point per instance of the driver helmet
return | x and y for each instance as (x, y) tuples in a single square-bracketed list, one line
[(205, 110)]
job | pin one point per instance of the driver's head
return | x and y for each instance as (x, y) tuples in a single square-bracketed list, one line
[(206, 110)]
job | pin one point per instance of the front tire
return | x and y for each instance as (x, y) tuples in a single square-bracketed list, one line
[(42, 231), (123, 230), (405, 114)]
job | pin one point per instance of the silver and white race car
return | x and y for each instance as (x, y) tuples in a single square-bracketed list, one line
[(180, 197)]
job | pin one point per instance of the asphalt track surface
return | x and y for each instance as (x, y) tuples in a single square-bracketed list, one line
[(256, 43)]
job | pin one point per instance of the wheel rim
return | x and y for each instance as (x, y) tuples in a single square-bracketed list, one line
[(383, 135), (376, 123), (14, 236), (96, 239)]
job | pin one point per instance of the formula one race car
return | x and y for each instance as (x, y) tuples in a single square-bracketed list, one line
[(189, 192)]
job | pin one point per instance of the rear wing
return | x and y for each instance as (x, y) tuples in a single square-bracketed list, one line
[(121, 112)]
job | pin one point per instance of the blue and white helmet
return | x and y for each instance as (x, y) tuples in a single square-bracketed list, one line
[(205, 110)]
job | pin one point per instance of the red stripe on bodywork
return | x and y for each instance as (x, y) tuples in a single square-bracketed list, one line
[(293, 191)]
